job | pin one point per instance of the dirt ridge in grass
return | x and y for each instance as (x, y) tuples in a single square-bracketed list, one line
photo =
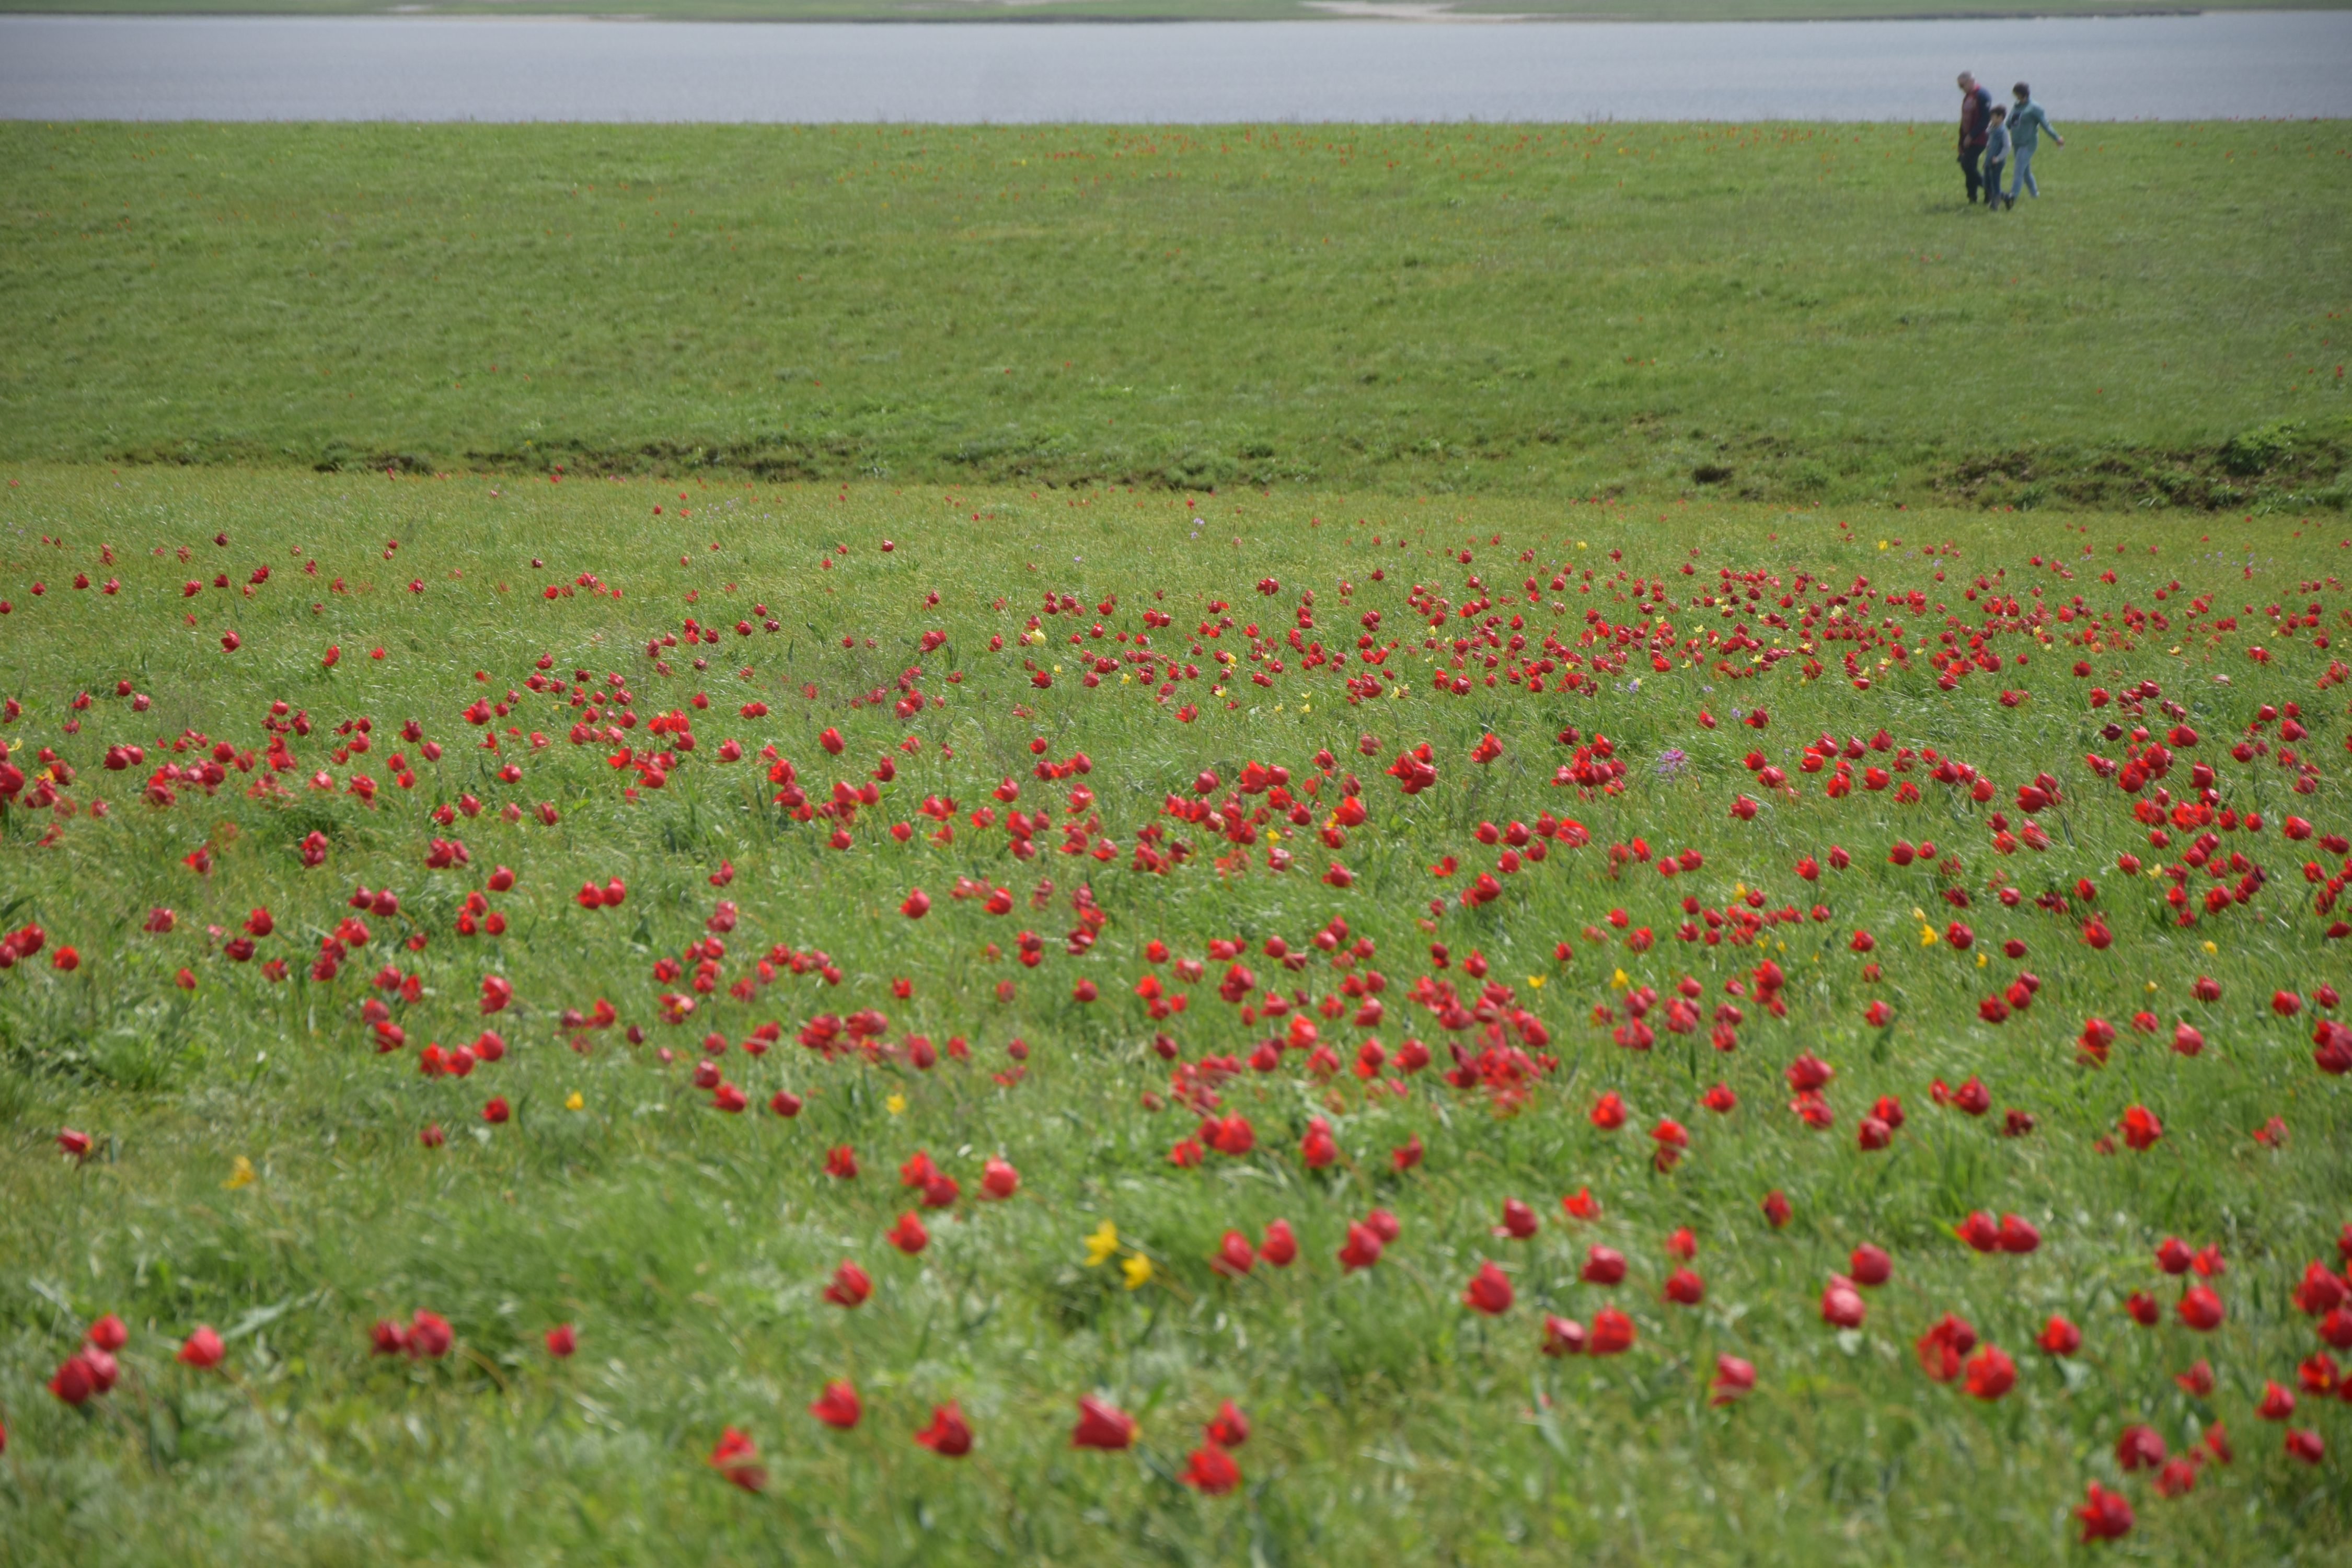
[(2274, 468)]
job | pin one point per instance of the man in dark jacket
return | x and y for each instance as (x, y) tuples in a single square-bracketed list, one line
[(1976, 126)]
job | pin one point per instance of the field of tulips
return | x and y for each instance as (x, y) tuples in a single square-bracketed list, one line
[(597, 1019)]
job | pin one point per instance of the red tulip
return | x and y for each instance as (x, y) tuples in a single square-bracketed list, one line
[(1230, 1428), (733, 1457), (908, 1235), (1279, 1246), (1941, 1348), (948, 1436), (998, 1179), (562, 1341), (1672, 1138), (428, 1337), (2106, 1515), (1101, 1424), (2139, 1448), (202, 1350), (1613, 1332), (1733, 1379), (2201, 1308), (1489, 1291), (1519, 1220), (2320, 1291), (1871, 1264), (2059, 1337), (75, 1382), (1602, 1265), (838, 1407), (1841, 1304), (850, 1287), (1990, 1374), (1211, 1471), (1562, 1336)]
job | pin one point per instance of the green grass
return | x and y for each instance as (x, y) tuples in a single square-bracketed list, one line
[(689, 1245), (1780, 312), (1153, 10)]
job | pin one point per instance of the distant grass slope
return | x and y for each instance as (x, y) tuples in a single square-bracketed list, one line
[(1782, 312), (1169, 10)]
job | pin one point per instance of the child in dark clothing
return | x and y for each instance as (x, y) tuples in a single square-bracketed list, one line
[(1996, 157)]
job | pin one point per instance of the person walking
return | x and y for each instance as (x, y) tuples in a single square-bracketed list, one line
[(2026, 124), (1996, 155), (1976, 122)]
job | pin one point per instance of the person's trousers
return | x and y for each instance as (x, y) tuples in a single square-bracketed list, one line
[(1992, 182), (2023, 174), (1970, 162)]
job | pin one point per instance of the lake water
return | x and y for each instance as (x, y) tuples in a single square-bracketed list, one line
[(2228, 65)]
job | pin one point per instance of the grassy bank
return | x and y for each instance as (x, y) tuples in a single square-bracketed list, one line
[(254, 1160), (1775, 313)]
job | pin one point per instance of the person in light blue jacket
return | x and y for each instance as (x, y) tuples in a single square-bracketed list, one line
[(2026, 124)]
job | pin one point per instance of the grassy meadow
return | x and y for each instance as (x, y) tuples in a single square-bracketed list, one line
[(1779, 313), (654, 774), (256, 1161)]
